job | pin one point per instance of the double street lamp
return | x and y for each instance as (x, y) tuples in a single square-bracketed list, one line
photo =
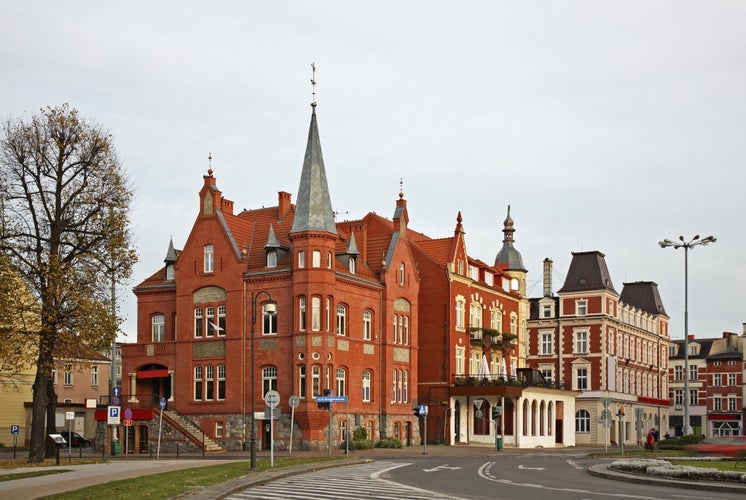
[(686, 245), (269, 308)]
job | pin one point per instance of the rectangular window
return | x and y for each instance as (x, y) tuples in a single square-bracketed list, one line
[(315, 380), (513, 324), (732, 403), (198, 383), (459, 360), (210, 383), (302, 381), (581, 342), (316, 314), (582, 379), (678, 398), (489, 278), (717, 403), (68, 375), (341, 382), (219, 429), (716, 379), (732, 380), (221, 321), (158, 328), (269, 319), (210, 313), (198, 322), (301, 259), (221, 382), (209, 259), (94, 376), (316, 258), (548, 374), (678, 372), (693, 374), (302, 314), (547, 343), (693, 397), (459, 314), (582, 307), (546, 311), (405, 340), (269, 379)]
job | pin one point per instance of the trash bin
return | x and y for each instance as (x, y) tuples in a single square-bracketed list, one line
[(499, 443), (116, 447)]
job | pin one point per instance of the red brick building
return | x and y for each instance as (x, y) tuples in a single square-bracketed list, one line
[(281, 298), (472, 349), (612, 348)]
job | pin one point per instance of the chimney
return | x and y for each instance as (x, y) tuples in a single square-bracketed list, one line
[(690, 336), (744, 329), (283, 203), (548, 279)]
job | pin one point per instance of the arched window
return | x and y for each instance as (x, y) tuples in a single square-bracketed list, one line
[(341, 320), (341, 382), (367, 325), (582, 421), (302, 313), (272, 258), (351, 265), (366, 385)]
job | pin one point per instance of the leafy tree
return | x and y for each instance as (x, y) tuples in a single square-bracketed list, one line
[(65, 227)]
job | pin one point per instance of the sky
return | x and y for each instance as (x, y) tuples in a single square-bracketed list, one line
[(604, 125)]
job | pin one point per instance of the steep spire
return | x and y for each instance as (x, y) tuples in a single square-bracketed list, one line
[(508, 255), (313, 209), (171, 253)]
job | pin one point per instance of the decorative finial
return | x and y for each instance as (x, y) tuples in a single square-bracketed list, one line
[(401, 187), (209, 163), (313, 84)]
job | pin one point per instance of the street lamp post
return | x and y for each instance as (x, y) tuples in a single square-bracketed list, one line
[(270, 308), (682, 243)]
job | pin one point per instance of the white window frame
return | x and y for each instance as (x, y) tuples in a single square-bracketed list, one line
[(367, 325), (209, 258), (158, 327)]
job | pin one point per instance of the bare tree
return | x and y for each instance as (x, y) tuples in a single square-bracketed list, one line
[(65, 228)]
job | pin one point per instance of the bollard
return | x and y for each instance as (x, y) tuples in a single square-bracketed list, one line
[(177, 450)]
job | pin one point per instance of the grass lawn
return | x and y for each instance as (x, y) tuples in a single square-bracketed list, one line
[(170, 484)]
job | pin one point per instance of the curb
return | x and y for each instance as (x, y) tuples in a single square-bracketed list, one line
[(604, 471)]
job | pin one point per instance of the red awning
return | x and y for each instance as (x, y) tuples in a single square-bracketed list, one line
[(152, 373)]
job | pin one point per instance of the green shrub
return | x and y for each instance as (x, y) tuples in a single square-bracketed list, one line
[(361, 444), (679, 443), (388, 443), (359, 434)]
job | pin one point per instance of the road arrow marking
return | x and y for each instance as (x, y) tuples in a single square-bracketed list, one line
[(441, 467), (530, 468)]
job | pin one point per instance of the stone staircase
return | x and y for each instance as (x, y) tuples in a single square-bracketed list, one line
[(190, 431)]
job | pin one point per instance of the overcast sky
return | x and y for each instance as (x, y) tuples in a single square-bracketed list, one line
[(604, 125)]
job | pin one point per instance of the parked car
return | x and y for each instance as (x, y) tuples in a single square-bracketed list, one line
[(76, 439), (727, 446)]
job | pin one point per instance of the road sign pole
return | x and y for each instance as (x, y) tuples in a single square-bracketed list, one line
[(329, 437), (271, 437), (292, 419)]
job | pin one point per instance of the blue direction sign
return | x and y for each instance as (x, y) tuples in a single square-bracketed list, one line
[(163, 403), (14, 429), (331, 399), (116, 391)]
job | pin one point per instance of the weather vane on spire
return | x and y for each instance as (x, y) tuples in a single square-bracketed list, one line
[(313, 84), (401, 187)]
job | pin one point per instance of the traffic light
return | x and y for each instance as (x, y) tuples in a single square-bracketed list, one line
[(416, 411), (495, 413)]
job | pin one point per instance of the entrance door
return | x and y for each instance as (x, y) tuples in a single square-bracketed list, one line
[(457, 422)]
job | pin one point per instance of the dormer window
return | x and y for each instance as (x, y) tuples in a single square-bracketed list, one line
[(474, 273), (170, 272), (351, 265), (272, 258), (489, 278)]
